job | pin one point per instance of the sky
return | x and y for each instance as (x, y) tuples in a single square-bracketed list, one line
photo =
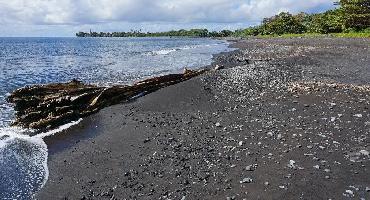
[(22, 18)]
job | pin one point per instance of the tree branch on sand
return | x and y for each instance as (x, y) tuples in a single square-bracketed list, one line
[(48, 106)]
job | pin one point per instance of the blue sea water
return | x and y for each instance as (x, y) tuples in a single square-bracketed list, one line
[(102, 61)]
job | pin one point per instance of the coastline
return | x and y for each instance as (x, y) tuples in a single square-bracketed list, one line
[(241, 132)]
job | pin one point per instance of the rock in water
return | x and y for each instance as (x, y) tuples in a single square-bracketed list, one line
[(48, 106)]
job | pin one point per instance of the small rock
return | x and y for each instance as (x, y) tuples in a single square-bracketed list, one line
[(218, 124), (249, 168), (230, 198), (291, 164), (267, 183), (246, 180), (358, 115), (218, 67), (364, 153), (348, 193)]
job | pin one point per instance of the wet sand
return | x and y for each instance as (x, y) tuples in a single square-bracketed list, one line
[(285, 119)]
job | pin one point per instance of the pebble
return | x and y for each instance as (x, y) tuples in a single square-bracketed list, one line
[(218, 67), (246, 180), (291, 164), (218, 124), (230, 198), (364, 153), (249, 168), (348, 193), (358, 115)]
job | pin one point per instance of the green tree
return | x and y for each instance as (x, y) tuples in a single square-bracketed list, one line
[(355, 14), (328, 22), (281, 24)]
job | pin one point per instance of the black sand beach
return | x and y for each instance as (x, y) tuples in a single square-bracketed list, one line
[(285, 119)]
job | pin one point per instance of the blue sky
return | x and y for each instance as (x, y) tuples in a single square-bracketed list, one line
[(65, 17)]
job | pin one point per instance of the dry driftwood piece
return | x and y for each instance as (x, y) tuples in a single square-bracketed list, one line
[(48, 106)]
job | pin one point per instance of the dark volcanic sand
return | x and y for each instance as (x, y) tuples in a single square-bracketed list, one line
[(259, 129)]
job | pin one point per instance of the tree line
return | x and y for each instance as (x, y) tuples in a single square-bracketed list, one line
[(349, 16), (173, 33)]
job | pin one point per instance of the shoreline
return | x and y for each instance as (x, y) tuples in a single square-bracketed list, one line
[(241, 132), (62, 140)]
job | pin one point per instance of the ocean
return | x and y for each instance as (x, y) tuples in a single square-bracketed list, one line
[(101, 61)]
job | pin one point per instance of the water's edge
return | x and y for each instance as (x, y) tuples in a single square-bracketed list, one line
[(30, 155)]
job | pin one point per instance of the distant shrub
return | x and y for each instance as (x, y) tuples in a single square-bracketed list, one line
[(355, 14), (328, 22), (283, 23)]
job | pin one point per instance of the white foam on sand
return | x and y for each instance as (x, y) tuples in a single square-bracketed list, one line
[(23, 161), (59, 129)]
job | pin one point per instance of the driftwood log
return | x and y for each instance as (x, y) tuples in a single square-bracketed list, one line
[(48, 106)]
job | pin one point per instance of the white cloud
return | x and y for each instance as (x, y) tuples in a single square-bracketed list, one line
[(64, 17), (189, 11)]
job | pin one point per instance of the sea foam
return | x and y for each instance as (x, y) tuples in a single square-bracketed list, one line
[(23, 161)]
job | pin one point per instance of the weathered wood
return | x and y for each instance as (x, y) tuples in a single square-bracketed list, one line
[(48, 106)]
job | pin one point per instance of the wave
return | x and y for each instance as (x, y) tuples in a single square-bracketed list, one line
[(163, 52), (168, 51), (23, 161)]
